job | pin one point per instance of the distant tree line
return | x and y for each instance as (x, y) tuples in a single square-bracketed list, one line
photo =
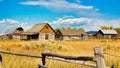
[(110, 28), (68, 28)]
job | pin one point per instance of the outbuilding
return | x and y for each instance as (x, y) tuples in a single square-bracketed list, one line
[(106, 34)]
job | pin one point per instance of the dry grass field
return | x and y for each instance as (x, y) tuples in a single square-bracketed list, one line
[(70, 48)]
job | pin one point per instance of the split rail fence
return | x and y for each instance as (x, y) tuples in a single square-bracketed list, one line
[(98, 58)]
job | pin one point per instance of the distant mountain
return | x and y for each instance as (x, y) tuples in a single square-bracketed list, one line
[(91, 32)]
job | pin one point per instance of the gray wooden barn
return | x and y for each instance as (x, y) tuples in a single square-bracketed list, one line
[(106, 34)]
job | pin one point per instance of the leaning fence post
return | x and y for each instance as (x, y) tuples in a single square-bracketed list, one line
[(99, 57), (0, 57)]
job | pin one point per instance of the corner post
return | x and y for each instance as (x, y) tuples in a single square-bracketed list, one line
[(99, 57)]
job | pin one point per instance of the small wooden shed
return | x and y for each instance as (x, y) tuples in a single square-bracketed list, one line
[(106, 34), (42, 31)]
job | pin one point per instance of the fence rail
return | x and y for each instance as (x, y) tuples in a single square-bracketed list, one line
[(98, 52), (85, 58), (21, 54)]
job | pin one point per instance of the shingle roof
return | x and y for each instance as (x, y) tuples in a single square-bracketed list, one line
[(72, 32), (36, 28), (109, 32)]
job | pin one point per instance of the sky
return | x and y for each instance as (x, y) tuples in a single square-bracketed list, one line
[(87, 14)]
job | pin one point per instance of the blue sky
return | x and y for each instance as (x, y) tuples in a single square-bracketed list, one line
[(88, 14)]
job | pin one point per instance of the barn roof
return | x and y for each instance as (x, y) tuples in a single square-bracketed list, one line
[(108, 31), (37, 27), (72, 32), (12, 29)]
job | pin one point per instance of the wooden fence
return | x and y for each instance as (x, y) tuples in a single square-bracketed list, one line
[(98, 58)]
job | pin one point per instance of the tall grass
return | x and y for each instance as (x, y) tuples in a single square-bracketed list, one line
[(71, 48)]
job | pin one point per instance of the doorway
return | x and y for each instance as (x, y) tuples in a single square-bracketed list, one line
[(46, 36)]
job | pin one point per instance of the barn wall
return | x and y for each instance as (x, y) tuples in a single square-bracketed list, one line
[(51, 36), (99, 35), (17, 37), (111, 36), (3, 37), (72, 38), (18, 32)]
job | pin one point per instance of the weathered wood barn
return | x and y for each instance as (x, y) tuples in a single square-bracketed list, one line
[(72, 34), (41, 31), (13, 33), (106, 34)]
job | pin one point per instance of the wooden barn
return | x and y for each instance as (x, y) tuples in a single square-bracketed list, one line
[(72, 34), (41, 31), (13, 33), (106, 34)]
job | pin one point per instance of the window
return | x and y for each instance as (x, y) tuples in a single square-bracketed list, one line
[(46, 27)]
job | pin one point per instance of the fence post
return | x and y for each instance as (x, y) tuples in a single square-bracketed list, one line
[(113, 66), (43, 61), (99, 57), (0, 58)]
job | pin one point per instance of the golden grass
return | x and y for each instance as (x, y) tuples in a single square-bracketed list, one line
[(71, 48)]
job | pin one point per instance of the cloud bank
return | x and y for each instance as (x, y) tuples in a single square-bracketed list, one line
[(87, 23), (57, 4), (8, 23)]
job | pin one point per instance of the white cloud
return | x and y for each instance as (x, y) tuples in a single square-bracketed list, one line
[(57, 4), (72, 20), (9, 21), (24, 24)]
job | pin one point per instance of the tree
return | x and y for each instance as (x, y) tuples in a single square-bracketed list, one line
[(118, 30), (106, 27), (74, 28), (111, 28), (56, 29), (69, 27), (81, 29), (63, 28)]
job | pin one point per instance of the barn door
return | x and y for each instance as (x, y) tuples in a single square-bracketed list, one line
[(46, 36)]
